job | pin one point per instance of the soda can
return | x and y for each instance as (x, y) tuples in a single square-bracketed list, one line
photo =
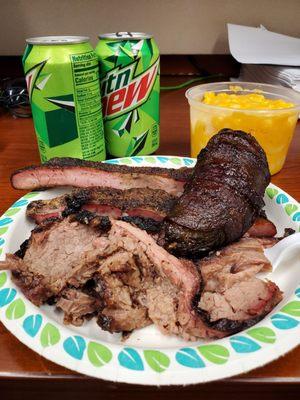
[(129, 78), (62, 76)]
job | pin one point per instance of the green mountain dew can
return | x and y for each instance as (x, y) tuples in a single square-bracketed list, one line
[(129, 77), (62, 76)]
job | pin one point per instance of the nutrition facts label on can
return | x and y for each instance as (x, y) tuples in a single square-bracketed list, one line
[(88, 105)]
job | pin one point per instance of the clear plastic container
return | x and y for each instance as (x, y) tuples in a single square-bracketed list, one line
[(273, 129)]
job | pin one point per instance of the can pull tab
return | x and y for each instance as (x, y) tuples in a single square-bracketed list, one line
[(121, 34)]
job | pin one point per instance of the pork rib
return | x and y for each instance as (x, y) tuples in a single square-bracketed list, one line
[(81, 173)]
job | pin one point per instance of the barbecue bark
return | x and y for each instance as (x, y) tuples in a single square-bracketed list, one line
[(144, 207), (81, 173), (222, 199)]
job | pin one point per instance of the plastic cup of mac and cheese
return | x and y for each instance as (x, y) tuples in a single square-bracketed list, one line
[(267, 112)]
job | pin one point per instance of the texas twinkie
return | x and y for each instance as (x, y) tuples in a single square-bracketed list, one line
[(129, 78)]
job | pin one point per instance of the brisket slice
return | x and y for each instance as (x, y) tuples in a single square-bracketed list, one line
[(222, 199), (80, 173), (58, 253), (66, 254), (139, 283), (232, 297), (144, 207)]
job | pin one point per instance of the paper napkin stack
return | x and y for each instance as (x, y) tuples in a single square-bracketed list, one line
[(265, 56)]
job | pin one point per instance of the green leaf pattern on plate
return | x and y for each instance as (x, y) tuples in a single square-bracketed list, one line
[(30, 195), (292, 308), (98, 354), (271, 192), (157, 360), (127, 161), (150, 160), (16, 309), (214, 353), (3, 230), (50, 335), (176, 161), (290, 208), (3, 278), (263, 334), (12, 211)]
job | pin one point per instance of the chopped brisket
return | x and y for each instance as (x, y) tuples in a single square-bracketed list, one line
[(77, 306), (141, 283), (89, 265)]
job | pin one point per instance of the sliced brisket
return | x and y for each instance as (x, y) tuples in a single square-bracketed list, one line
[(139, 283), (144, 207), (135, 282), (232, 297), (80, 173), (58, 253)]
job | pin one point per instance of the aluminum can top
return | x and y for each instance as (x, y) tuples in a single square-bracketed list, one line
[(56, 40), (125, 36)]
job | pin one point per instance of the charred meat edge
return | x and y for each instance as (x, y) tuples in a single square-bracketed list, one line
[(156, 201), (32, 177), (218, 190), (220, 327)]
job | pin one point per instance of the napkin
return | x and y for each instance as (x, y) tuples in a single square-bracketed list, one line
[(265, 56)]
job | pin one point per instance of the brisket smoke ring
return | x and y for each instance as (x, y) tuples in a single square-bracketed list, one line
[(145, 207)]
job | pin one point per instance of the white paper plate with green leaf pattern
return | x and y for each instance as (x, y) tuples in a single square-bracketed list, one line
[(148, 357)]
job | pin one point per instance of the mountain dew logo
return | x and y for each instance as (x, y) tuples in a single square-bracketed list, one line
[(32, 76), (122, 91)]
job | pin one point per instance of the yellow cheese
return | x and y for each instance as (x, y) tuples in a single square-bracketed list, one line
[(252, 101)]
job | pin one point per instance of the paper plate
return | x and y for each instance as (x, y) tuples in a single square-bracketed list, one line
[(148, 357)]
